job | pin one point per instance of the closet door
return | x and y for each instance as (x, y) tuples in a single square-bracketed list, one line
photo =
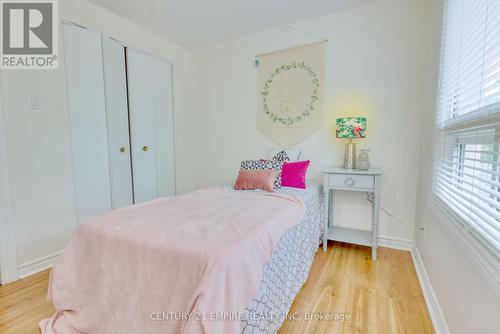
[(165, 161), (151, 126), (115, 83), (87, 118)]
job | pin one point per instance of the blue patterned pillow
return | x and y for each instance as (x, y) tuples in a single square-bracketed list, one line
[(265, 164)]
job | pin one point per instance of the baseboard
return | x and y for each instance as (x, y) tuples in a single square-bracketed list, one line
[(396, 243), (38, 265), (437, 316)]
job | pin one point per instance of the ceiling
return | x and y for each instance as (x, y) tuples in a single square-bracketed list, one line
[(197, 23)]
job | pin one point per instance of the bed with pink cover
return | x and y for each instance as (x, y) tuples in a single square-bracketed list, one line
[(211, 261)]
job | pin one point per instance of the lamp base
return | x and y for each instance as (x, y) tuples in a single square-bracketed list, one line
[(350, 155)]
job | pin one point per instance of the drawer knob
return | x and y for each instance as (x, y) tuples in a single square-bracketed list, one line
[(349, 182)]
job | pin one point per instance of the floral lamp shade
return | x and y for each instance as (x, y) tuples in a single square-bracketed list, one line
[(351, 127)]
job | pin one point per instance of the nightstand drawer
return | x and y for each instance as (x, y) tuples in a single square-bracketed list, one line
[(350, 181)]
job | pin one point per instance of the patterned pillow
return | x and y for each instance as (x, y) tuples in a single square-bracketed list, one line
[(284, 155), (249, 179), (265, 164)]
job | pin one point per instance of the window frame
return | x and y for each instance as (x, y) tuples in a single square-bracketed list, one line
[(483, 255)]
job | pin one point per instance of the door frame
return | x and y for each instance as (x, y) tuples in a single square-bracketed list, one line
[(8, 242)]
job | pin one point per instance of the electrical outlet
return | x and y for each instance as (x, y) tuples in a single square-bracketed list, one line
[(33, 102)]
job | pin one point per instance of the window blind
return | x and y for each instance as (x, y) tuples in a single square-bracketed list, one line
[(467, 162)]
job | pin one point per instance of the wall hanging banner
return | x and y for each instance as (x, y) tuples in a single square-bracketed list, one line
[(291, 93)]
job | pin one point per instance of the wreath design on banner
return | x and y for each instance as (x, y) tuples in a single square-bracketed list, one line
[(266, 92)]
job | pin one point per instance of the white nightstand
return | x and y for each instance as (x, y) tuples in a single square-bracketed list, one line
[(339, 178)]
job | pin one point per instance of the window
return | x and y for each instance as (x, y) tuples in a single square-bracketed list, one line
[(467, 163)]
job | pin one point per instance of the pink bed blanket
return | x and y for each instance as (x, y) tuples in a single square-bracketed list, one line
[(184, 264)]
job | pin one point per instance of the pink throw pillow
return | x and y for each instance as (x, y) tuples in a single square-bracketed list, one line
[(293, 174), (249, 179)]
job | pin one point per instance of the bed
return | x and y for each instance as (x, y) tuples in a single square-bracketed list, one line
[(206, 252), (289, 265)]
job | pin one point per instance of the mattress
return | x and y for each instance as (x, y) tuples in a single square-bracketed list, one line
[(288, 267)]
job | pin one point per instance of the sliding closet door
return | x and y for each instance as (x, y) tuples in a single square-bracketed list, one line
[(115, 83), (87, 118), (151, 126)]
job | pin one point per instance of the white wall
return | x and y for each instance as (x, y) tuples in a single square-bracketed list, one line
[(38, 142), (39, 163), (8, 250), (467, 302), (375, 59)]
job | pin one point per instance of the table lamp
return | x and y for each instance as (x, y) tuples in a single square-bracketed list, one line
[(351, 128)]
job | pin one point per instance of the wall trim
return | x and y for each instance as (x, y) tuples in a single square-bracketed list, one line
[(8, 242), (435, 312), (38, 265), (395, 243)]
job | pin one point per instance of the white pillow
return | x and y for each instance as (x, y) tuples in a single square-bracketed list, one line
[(284, 155)]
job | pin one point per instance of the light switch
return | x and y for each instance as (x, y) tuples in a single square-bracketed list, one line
[(33, 102)]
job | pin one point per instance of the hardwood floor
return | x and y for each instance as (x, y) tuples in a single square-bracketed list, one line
[(381, 297), (23, 304), (378, 297)]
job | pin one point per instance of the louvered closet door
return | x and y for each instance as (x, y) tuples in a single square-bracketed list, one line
[(87, 118), (115, 83), (151, 126)]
